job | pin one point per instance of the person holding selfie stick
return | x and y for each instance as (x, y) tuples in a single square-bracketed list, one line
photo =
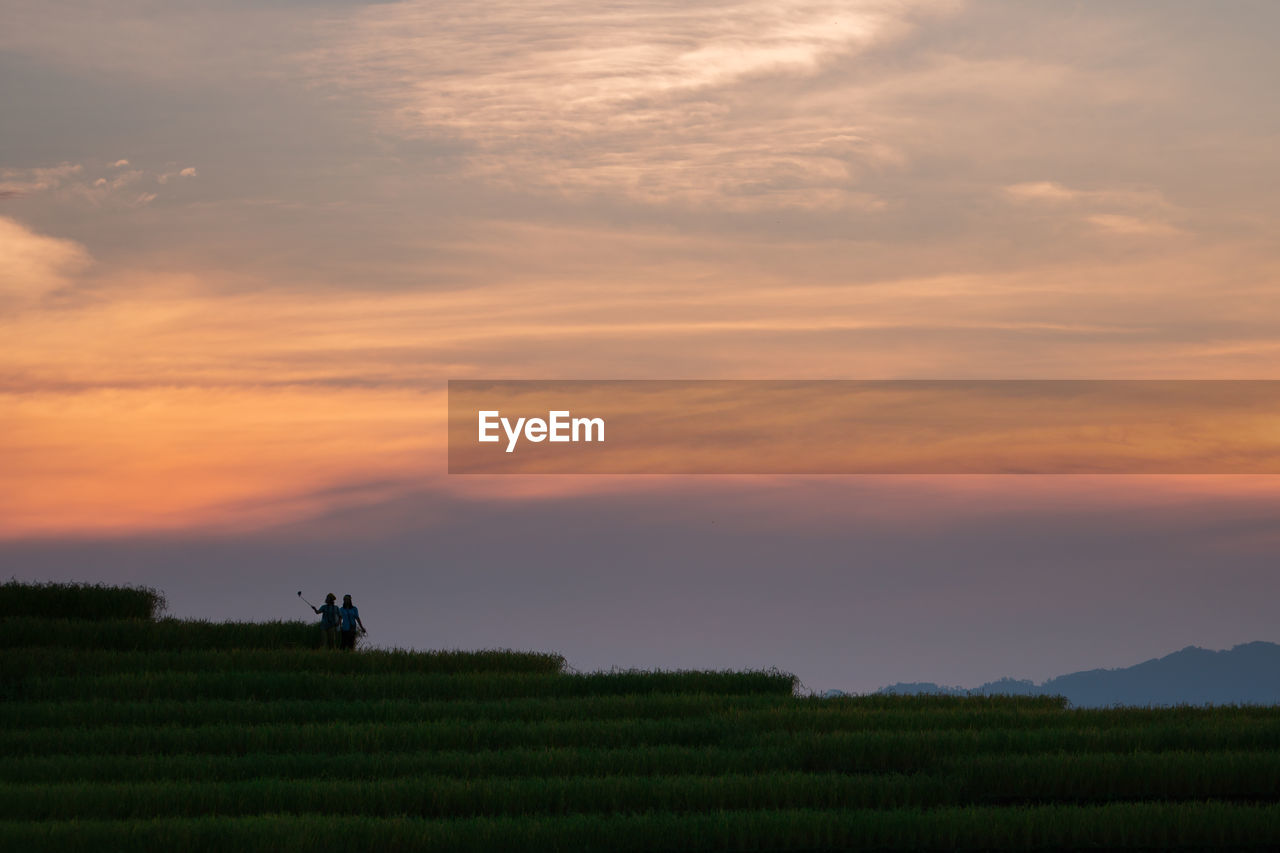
[(330, 619)]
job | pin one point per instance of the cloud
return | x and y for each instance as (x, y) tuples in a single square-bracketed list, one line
[(114, 190), (1114, 223), (68, 182), (21, 182), (188, 172), (932, 189), (212, 395), (668, 103), (117, 182), (1049, 191), (1052, 192), (32, 265), (1122, 212)]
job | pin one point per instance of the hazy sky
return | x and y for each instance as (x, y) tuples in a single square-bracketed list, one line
[(244, 245)]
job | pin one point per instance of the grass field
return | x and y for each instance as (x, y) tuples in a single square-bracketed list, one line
[(142, 733)]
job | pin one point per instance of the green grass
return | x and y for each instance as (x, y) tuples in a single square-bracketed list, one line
[(1225, 773), (1089, 779), (100, 635), (276, 686), (297, 712), (98, 663), (147, 734), (773, 712), (84, 601), (1113, 826), (71, 646), (522, 761), (852, 751)]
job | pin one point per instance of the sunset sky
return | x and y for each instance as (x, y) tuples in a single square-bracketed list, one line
[(244, 246)]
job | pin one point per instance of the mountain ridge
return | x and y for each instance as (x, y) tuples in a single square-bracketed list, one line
[(1245, 674)]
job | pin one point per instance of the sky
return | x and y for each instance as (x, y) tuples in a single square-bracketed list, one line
[(244, 246)]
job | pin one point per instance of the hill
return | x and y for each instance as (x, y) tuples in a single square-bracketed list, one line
[(1246, 674), (146, 734)]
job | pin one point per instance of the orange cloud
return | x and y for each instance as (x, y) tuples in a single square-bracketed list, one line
[(798, 189), (33, 265), (965, 427), (116, 460)]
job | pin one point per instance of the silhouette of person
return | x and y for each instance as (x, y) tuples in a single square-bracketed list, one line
[(351, 623), (330, 619)]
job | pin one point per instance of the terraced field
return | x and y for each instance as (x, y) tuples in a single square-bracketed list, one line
[(145, 734)]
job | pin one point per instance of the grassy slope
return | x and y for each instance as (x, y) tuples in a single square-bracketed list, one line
[(147, 734)]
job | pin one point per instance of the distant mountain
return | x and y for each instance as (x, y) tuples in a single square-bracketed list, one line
[(1246, 674)]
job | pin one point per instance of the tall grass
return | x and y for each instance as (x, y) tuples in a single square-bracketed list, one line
[(262, 686), (17, 715), (79, 636), (235, 661), (344, 737), (539, 762), (127, 732), (1151, 826), (931, 703), (756, 712), (990, 778), (95, 602), (1034, 780), (445, 797), (847, 751)]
